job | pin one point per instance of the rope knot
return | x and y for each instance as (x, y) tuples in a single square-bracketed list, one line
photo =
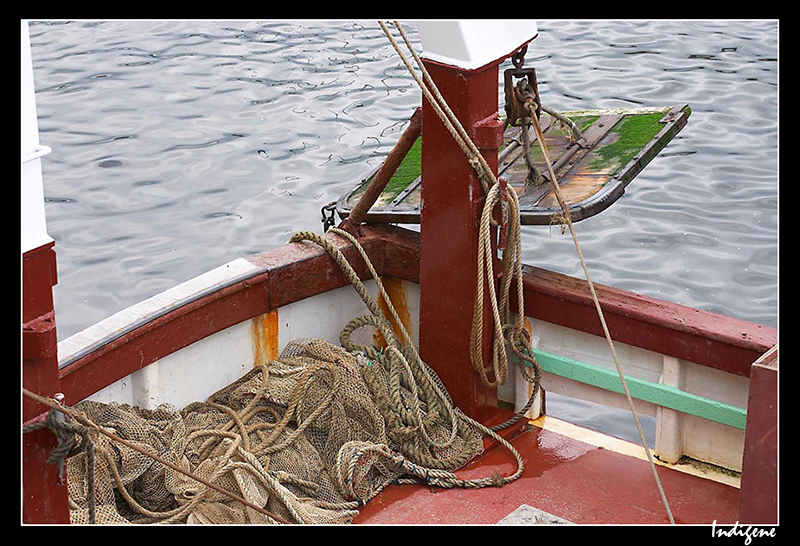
[(497, 479), (67, 434)]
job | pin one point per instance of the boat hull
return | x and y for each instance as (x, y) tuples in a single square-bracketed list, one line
[(210, 331)]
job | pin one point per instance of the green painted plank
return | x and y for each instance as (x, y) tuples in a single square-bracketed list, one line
[(656, 393)]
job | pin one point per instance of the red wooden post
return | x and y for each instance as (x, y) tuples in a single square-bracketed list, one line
[(759, 490), (44, 500), (452, 199)]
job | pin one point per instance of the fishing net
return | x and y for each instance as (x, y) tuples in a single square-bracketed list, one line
[(301, 436), (306, 438)]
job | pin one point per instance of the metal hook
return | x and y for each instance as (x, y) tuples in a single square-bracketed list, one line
[(518, 58)]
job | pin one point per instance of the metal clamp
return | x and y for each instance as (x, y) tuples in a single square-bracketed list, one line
[(328, 215)]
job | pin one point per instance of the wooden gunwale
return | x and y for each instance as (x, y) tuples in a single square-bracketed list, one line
[(297, 271)]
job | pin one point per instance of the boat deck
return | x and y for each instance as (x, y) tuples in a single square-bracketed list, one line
[(568, 478)]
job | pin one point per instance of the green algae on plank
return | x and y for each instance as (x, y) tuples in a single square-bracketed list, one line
[(408, 171), (632, 135)]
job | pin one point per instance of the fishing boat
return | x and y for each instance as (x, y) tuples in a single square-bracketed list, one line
[(408, 367)]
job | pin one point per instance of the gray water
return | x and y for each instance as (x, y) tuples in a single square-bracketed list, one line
[(181, 145)]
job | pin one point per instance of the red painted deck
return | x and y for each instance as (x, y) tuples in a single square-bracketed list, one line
[(564, 477)]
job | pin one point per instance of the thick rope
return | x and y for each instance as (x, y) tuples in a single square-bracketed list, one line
[(66, 433), (83, 420), (373, 306), (450, 121), (512, 261), (575, 135)]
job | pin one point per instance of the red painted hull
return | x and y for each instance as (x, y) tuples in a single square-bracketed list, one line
[(44, 497), (297, 271)]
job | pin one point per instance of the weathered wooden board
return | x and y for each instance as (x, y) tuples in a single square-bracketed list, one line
[(592, 174)]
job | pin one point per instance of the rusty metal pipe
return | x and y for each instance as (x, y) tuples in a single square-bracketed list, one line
[(384, 174)]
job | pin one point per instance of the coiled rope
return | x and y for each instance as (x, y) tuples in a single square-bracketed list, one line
[(403, 358), (89, 426), (67, 433)]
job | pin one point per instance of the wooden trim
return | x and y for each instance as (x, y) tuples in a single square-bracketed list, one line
[(656, 393), (163, 336), (667, 328), (288, 274), (672, 329), (300, 270)]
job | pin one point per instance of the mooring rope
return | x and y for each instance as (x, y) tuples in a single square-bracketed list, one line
[(66, 434), (450, 121), (568, 219), (490, 183)]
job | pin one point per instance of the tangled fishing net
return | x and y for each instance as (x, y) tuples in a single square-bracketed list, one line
[(307, 438), (301, 436)]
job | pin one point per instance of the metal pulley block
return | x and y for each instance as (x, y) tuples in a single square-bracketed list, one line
[(520, 85)]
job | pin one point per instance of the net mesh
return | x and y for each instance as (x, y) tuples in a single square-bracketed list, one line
[(309, 437)]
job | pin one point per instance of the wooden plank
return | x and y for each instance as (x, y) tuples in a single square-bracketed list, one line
[(591, 177), (675, 120), (655, 393), (580, 188), (672, 329), (703, 337), (565, 154)]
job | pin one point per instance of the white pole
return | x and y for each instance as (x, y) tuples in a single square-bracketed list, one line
[(34, 227)]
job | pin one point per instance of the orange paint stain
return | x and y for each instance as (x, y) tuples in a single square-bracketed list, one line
[(396, 291), (264, 333)]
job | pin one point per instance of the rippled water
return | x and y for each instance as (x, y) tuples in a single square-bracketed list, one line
[(699, 226), (180, 145)]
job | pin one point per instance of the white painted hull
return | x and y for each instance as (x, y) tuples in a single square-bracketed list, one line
[(195, 372)]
